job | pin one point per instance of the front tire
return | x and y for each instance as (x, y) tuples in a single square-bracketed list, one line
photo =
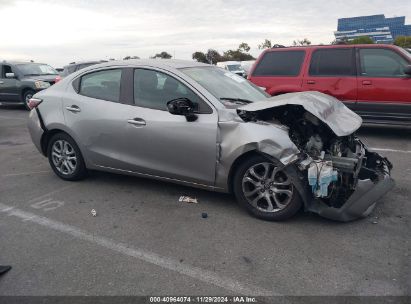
[(265, 190), (26, 98), (65, 158)]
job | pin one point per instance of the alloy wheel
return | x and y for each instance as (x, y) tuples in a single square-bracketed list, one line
[(64, 157), (267, 187)]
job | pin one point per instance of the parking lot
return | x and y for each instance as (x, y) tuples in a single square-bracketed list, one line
[(144, 241)]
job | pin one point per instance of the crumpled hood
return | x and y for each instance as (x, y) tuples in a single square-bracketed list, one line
[(341, 120)]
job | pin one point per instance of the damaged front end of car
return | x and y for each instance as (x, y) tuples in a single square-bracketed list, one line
[(337, 176)]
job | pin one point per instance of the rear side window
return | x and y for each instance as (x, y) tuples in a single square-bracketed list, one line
[(280, 63), (103, 85), (332, 62), (381, 63)]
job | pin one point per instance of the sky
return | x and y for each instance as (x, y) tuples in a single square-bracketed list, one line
[(59, 32)]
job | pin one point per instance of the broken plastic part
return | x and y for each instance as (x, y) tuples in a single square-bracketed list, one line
[(187, 199), (320, 176)]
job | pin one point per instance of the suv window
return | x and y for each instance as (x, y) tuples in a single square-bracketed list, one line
[(332, 62), (280, 63), (381, 63), (102, 85), (153, 89), (6, 69)]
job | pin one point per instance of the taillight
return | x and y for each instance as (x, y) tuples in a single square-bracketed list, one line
[(34, 102), (57, 79)]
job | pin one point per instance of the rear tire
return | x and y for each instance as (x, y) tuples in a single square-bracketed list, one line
[(65, 158), (26, 98), (266, 191)]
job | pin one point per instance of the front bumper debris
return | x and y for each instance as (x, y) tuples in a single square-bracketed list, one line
[(362, 201)]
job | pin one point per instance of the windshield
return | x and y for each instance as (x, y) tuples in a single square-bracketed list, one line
[(234, 67), (36, 69), (225, 86)]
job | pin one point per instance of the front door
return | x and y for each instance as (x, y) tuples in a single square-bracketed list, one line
[(384, 91), (9, 90), (168, 145)]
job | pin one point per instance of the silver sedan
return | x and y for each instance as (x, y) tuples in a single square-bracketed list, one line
[(202, 126)]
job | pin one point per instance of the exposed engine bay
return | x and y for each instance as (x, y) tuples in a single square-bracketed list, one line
[(332, 165)]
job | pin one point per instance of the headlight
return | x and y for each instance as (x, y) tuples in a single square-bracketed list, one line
[(41, 84)]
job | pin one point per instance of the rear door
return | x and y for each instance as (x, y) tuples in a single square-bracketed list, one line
[(279, 71), (333, 71), (9, 87), (384, 91)]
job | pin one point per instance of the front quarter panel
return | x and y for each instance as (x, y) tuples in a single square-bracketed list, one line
[(237, 137)]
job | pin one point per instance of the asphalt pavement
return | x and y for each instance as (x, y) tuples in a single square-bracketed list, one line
[(143, 241)]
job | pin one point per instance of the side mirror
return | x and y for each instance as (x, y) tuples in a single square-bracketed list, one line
[(182, 106), (407, 70), (10, 75)]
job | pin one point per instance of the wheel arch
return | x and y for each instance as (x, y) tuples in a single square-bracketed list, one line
[(46, 138), (24, 91), (236, 164), (299, 181)]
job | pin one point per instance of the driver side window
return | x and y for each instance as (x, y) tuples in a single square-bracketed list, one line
[(153, 89), (381, 63)]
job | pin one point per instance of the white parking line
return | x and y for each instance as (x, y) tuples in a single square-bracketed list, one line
[(52, 192), (390, 150), (26, 173), (197, 273)]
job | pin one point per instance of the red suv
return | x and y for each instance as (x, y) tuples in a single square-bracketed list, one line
[(372, 80)]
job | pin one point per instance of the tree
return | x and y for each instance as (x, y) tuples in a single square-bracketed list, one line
[(213, 56), (200, 57), (403, 41), (361, 40), (162, 55), (131, 57), (265, 45), (236, 55), (244, 47), (240, 54), (303, 42)]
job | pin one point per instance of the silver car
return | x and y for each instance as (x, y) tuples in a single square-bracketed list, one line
[(201, 126)]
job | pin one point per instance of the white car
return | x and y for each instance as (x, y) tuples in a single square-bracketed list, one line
[(232, 66)]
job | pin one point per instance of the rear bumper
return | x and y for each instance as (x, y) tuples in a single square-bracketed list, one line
[(35, 129)]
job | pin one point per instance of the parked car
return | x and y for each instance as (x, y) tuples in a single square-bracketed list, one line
[(19, 81), (372, 80), (198, 125), (233, 67), (75, 66), (247, 65)]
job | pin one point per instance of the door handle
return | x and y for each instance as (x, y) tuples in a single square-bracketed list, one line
[(1, 82), (137, 122), (73, 109), (310, 81), (367, 82)]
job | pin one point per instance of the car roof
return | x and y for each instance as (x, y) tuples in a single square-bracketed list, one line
[(329, 46), (19, 62), (84, 62), (158, 63)]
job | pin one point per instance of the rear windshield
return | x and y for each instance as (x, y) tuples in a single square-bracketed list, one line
[(280, 63)]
